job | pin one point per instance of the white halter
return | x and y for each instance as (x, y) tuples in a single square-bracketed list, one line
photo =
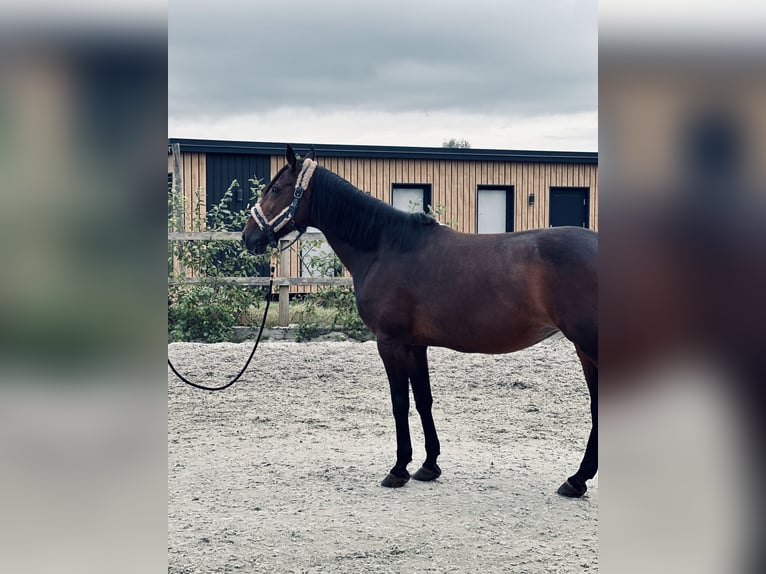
[(271, 227)]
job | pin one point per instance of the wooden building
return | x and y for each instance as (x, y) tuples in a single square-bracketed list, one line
[(472, 190)]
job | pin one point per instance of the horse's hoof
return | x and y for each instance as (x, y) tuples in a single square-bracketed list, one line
[(427, 474), (395, 481), (570, 491)]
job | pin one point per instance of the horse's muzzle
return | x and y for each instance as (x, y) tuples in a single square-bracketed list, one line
[(255, 242)]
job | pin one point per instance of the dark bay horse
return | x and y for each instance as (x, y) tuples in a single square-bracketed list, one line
[(419, 284)]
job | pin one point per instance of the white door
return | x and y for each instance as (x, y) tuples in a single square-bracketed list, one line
[(492, 210)]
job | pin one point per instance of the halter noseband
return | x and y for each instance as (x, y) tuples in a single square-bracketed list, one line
[(287, 215)]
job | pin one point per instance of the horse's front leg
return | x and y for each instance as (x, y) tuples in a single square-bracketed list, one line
[(394, 357)]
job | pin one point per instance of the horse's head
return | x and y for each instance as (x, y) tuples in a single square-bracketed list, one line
[(283, 206)]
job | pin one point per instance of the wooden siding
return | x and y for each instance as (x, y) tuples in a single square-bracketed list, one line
[(454, 185), (193, 169), (222, 169), (194, 180)]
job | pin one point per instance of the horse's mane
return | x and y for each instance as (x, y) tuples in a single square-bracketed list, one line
[(362, 220)]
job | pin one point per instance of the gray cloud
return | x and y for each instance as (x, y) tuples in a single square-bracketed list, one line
[(485, 56)]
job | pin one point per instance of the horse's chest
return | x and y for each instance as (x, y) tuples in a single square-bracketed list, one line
[(385, 310)]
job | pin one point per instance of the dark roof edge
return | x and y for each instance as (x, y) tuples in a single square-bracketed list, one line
[(342, 150)]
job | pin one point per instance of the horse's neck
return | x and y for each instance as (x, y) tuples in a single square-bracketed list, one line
[(354, 259), (357, 261)]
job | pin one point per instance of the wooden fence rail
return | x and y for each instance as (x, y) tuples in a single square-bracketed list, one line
[(282, 283), (204, 235), (230, 236), (263, 281)]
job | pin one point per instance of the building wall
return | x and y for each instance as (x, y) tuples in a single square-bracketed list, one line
[(454, 184), (194, 185)]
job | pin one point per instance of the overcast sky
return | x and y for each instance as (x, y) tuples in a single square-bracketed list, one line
[(510, 74)]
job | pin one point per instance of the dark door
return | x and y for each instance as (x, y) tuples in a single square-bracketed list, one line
[(569, 206), (223, 168)]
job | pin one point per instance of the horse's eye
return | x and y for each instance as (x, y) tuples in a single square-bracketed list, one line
[(275, 190)]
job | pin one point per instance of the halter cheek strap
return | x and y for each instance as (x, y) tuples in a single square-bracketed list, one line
[(287, 215)]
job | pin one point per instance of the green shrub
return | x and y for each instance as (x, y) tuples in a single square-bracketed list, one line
[(308, 322), (208, 311), (215, 258), (200, 313)]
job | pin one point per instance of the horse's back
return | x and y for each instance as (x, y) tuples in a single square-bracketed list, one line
[(560, 246), (507, 258)]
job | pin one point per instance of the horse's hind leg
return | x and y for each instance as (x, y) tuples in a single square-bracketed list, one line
[(575, 485), (417, 366), (394, 355)]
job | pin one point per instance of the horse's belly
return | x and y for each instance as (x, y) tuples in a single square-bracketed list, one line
[(487, 339)]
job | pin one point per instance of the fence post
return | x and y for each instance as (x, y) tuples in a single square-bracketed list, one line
[(179, 205), (284, 290), (178, 189)]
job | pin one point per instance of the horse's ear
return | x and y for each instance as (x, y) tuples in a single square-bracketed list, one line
[(312, 154), (290, 156)]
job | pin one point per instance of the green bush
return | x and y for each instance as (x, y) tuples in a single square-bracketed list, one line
[(201, 313), (215, 258), (208, 311)]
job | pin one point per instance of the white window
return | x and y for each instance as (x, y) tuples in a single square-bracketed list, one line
[(409, 199), (493, 208), (317, 257)]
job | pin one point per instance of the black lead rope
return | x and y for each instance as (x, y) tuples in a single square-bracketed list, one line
[(250, 358)]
